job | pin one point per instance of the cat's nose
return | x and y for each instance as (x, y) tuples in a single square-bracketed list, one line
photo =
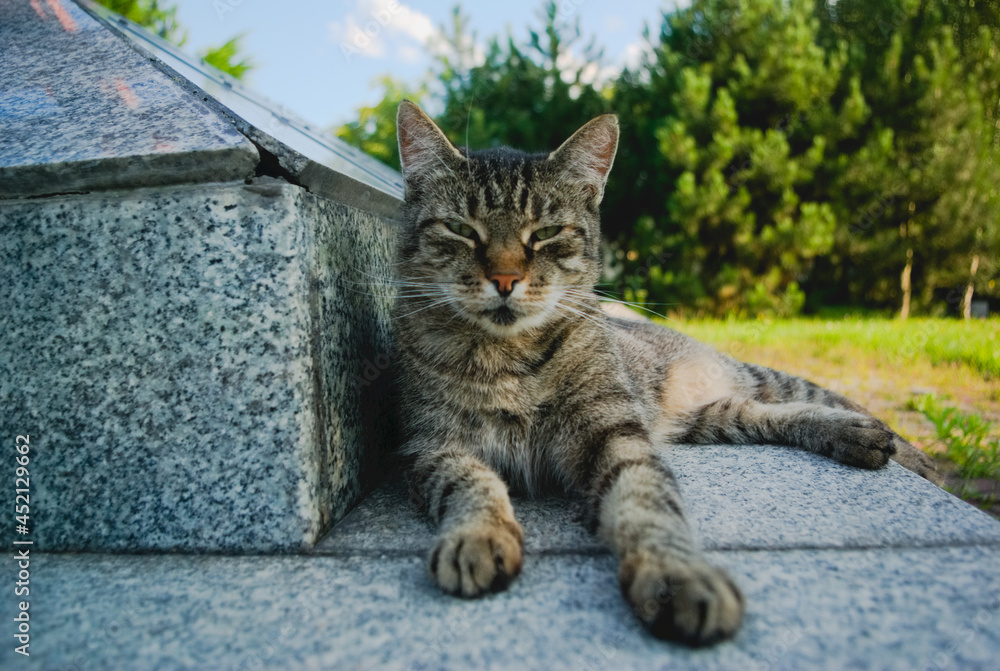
[(504, 282)]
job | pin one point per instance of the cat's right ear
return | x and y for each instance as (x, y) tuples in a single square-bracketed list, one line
[(588, 155), (423, 148)]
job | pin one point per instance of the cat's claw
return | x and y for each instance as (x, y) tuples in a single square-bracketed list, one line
[(475, 559), (691, 603)]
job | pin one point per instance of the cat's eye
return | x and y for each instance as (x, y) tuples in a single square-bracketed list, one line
[(463, 229), (546, 233)]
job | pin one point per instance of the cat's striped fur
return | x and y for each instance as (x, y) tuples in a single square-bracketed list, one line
[(512, 374)]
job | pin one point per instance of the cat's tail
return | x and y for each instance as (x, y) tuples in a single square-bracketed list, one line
[(771, 386)]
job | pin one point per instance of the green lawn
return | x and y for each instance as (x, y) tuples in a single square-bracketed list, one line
[(939, 341), (887, 366)]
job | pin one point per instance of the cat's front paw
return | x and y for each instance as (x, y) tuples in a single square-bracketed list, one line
[(478, 557), (688, 602), (858, 440)]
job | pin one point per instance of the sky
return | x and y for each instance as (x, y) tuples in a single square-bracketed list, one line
[(321, 58)]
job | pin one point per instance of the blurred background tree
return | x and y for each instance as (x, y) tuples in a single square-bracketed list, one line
[(776, 155), (544, 86), (540, 88), (375, 130), (753, 114), (924, 182), (162, 20)]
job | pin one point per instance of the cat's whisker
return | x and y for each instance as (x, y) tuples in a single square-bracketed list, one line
[(598, 323), (444, 289), (468, 118), (594, 318), (591, 317), (401, 293), (354, 290), (607, 295), (582, 303), (411, 293), (426, 296), (439, 303), (586, 301), (635, 306), (399, 280), (401, 286)]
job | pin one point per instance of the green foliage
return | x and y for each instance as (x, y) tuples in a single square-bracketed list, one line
[(521, 95), (747, 108), (924, 179), (149, 14), (967, 438), (375, 130), (227, 58), (163, 21), (528, 96), (776, 155)]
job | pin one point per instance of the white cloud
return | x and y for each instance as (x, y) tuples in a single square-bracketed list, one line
[(634, 53), (591, 72), (388, 29), (412, 23)]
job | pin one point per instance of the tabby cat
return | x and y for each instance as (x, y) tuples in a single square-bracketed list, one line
[(511, 373)]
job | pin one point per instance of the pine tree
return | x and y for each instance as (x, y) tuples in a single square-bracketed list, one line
[(921, 194), (743, 107), (525, 95)]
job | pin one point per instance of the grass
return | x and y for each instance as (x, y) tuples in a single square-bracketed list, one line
[(888, 366), (966, 438), (939, 341)]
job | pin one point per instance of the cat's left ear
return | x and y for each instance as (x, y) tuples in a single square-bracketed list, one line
[(589, 153)]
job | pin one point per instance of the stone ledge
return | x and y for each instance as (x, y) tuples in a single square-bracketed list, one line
[(737, 497), (184, 361), (911, 594), (312, 158), (81, 111), (807, 609)]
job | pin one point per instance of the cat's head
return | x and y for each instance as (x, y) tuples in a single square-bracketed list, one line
[(505, 240)]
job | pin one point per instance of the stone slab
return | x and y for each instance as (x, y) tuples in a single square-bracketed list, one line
[(387, 522), (807, 609), (80, 110), (311, 156), (186, 362), (773, 497), (737, 497)]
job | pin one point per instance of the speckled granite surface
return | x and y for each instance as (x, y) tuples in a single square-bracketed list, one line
[(186, 362), (760, 497), (81, 111), (826, 609), (838, 593)]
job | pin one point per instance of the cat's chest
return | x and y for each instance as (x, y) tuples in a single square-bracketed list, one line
[(510, 436), (502, 419), (500, 405)]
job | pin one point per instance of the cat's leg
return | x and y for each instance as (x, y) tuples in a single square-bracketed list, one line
[(480, 544), (849, 437), (772, 386), (636, 504)]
